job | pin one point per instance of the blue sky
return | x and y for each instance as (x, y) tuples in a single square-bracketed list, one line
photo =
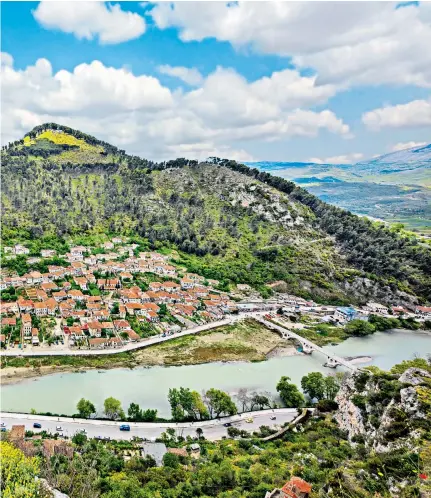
[(251, 81)]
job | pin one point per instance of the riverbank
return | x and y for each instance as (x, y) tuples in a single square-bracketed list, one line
[(243, 341)]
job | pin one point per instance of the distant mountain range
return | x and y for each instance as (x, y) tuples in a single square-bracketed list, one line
[(393, 187)]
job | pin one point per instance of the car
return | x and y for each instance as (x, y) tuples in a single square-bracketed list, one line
[(99, 438), (36, 425), (273, 417), (227, 424), (106, 438), (3, 429), (249, 420), (58, 428), (2, 424), (124, 427)]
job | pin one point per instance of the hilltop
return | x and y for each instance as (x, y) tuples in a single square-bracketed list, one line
[(228, 221)]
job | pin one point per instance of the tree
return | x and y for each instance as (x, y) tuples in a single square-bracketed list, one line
[(313, 384), (332, 386), (289, 393), (79, 439), (134, 412), (219, 403), (112, 409), (18, 473), (244, 398), (359, 328), (171, 460), (260, 400), (85, 408), (186, 404)]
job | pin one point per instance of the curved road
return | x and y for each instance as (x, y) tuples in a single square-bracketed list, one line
[(212, 429)]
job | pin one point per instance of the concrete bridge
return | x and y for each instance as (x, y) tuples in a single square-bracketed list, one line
[(307, 346)]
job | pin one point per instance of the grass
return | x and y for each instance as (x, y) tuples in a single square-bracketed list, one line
[(245, 341)]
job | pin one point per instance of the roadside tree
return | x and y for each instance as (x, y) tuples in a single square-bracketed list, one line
[(85, 408), (289, 393)]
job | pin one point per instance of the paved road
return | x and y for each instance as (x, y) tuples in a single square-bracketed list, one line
[(212, 429), (338, 359)]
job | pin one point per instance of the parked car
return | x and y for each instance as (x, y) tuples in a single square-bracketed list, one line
[(249, 420), (273, 417), (3, 429), (58, 428), (227, 424), (36, 425), (124, 427)]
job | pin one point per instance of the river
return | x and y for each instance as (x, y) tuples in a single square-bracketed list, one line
[(149, 387)]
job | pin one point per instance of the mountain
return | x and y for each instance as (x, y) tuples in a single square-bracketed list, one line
[(393, 187), (227, 221)]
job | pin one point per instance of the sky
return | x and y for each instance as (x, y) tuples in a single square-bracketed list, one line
[(334, 82)]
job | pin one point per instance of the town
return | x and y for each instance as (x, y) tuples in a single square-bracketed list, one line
[(109, 296)]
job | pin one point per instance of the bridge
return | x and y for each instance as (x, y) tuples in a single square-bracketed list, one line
[(307, 346)]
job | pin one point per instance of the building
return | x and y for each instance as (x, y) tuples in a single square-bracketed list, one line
[(26, 324), (295, 488), (345, 314), (155, 450)]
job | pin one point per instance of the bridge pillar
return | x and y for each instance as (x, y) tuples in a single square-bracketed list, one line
[(331, 363), (306, 348)]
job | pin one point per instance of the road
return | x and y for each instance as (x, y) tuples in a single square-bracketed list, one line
[(212, 429)]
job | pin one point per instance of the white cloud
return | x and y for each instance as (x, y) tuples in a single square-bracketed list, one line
[(6, 59), (191, 76), (407, 145), (416, 113), (343, 159), (138, 113), (91, 19), (347, 43)]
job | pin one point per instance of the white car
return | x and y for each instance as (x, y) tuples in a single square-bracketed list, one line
[(58, 428)]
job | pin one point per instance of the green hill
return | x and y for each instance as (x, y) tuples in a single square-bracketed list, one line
[(226, 220)]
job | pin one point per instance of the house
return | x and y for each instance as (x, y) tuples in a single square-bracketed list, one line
[(132, 335), (295, 488), (155, 450), (114, 342), (47, 253), (26, 324), (35, 336), (40, 309), (97, 342), (19, 249), (48, 286), (195, 450), (77, 251), (51, 306), (108, 245), (76, 295), (82, 282), (187, 283), (345, 314), (95, 329), (375, 308), (152, 316), (423, 311), (25, 305), (181, 452), (51, 447), (59, 296), (122, 325), (76, 333), (11, 322)]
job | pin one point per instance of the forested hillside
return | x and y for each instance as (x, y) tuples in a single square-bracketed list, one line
[(228, 221)]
